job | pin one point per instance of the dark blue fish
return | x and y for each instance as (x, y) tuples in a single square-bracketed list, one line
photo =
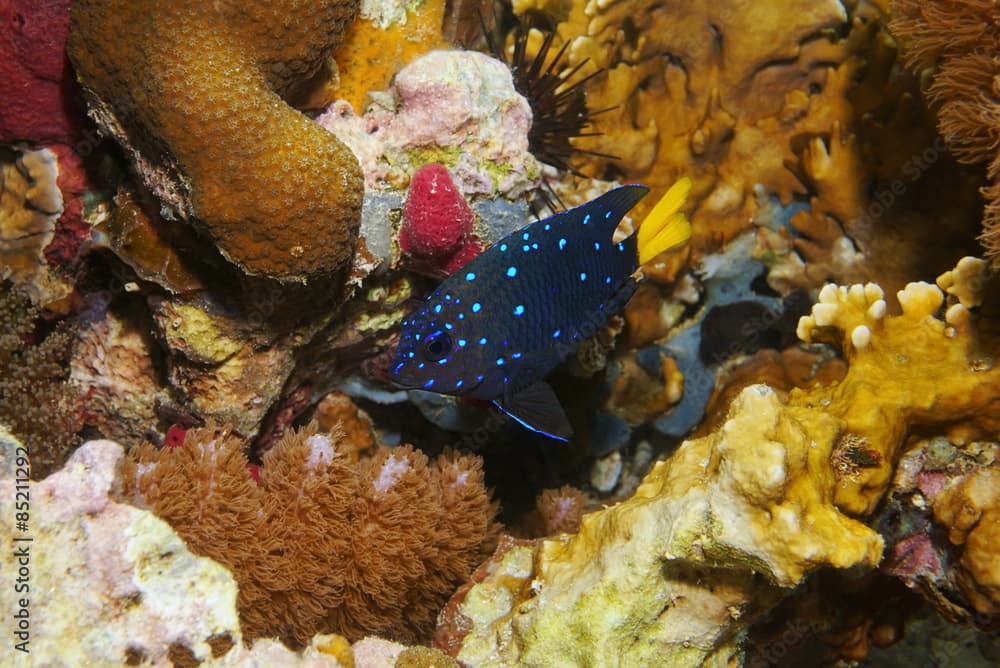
[(495, 328)]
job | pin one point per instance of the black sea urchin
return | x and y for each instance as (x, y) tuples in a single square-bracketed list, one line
[(558, 104)]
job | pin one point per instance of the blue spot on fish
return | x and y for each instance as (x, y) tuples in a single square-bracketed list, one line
[(519, 309), (562, 244), (525, 248), (461, 343), (583, 275), (526, 236), (476, 306), (586, 219), (503, 248), (482, 341), (511, 272), (501, 361), (471, 276), (555, 334), (429, 383)]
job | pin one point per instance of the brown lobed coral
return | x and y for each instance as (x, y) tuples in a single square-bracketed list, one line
[(195, 92), (323, 544), (958, 40)]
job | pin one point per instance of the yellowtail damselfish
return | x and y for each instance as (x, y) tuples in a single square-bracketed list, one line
[(495, 328)]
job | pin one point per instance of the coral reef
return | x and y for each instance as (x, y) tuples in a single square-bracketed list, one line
[(556, 511), (125, 582), (955, 42), (753, 497), (36, 402), (113, 366), (765, 492), (300, 179), (387, 36), (277, 194), (458, 108), (124, 576), (30, 206), (46, 106), (941, 518), (806, 106), (323, 544), (906, 372)]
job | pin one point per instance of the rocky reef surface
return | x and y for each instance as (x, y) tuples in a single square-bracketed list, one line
[(785, 446)]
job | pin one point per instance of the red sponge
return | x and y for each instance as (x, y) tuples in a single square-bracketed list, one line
[(437, 222), (40, 93)]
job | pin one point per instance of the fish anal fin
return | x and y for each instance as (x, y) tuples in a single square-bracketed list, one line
[(537, 408)]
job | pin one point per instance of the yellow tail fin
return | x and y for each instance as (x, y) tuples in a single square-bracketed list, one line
[(665, 226)]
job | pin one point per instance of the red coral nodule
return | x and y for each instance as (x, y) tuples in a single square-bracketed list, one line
[(175, 436), (436, 217)]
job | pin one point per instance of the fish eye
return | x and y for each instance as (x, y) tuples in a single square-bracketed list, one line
[(437, 346)]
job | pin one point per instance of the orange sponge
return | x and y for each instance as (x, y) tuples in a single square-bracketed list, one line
[(195, 92)]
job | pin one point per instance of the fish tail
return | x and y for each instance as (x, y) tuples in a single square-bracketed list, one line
[(665, 226)]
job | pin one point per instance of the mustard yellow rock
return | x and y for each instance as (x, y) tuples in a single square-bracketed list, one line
[(912, 370), (670, 576)]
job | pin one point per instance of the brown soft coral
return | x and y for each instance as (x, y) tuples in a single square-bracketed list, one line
[(36, 402), (959, 40), (194, 90), (323, 544)]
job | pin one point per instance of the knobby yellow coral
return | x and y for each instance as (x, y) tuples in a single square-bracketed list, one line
[(905, 372), (323, 543), (194, 91)]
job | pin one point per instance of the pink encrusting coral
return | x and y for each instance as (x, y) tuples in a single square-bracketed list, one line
[(437, 229)]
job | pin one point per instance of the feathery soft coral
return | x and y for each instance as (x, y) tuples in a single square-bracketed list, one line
[(322, 544), (960, 40)]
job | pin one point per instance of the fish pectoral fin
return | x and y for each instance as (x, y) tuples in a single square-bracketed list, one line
[(537, 408)]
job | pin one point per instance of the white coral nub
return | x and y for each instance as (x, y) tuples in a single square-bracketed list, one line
[(855, 309), (861, 336), (965, 282), (920, 299)]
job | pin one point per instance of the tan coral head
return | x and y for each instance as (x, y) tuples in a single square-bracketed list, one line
[(194, 92)]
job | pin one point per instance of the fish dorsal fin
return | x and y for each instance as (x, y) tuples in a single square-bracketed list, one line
[(608, 210), (537, 408), (665, 226)]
